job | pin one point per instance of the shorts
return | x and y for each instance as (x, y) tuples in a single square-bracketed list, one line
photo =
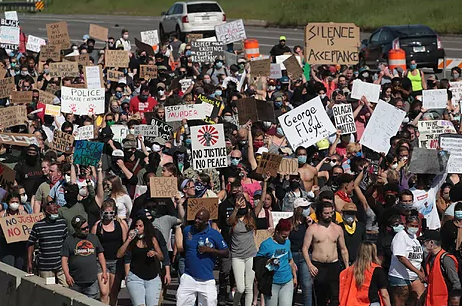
[(113, 267), (399, 282)]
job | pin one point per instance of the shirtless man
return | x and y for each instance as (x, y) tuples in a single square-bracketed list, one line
[(325, 267), (308, 173)]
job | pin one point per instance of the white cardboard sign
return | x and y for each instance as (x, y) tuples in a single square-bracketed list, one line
[(82, 101), (230, 32), (344, 118), (275, 71), (188, 112), (146, 130), (34, 43), (434, 98), (370, 91), (93, 76), (150, 37), (85, 132), (453, 144)]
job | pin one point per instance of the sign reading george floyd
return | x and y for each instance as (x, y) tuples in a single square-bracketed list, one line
[(344, 119), (206, 51), (208, 147), (58, 34), (332, 43), (196, 204), (306, 124), (62, 142), (163, 187), (87, 153), (18, 227), (116, 58)]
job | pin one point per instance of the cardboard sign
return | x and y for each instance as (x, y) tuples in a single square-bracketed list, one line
[(93, 77), (383, 124), (150, 37), (163, 187), (98, 32), (6, 87), (370, 91), (230, 32), (434, 98), (164, 130), (275, 71), (260, 67), (306, 124), (427, 161), (58, 34), (46, 97), (146, 130), (86, 132), (269, 162), (279, 215), (332, 43), (453, 144), (7, 176), (265, 111), (52, 110), (114, 75), (344, 118), (116, 58), (64, 69), (194, 36), (196, 204), (206, 51), (456, 89), (141, 46), (9, 34), (208, 147), (82, 101), (18, 139), (82, 59), (17, 228), (87, 153), (50, 52), (281, 58), (217, 105), (21, 97), (34, 43), (293, 67), (11, 15), (2, 73), (288, 166), (148, 72), (13, 115), (188, 112), (255, 110), (62, 142), (430, 130)]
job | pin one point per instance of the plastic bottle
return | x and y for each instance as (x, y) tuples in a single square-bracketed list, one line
[(200, 243)]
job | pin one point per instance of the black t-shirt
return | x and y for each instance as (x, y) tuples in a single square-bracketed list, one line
[(384, 248), (448, 237), (30, 177), (225, 209), (296, 238), (353, 241), (378, 281), (141, 265)]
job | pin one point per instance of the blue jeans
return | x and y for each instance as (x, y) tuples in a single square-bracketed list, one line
[(282, 294), (91, 290), (143, 292), (304, 278)]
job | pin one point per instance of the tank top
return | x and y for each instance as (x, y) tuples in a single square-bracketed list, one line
[(263, 223), (141, 265), (416, 80), (111, 241)]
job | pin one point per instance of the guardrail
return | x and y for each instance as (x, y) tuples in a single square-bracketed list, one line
[(23, 6)]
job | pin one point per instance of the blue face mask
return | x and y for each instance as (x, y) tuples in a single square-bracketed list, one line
[(188, 142), (219, 65), (235, 162), (398, 228), (306, 212), (278, 87), (412, 230), (458, 214), (413, 66), (302, 159), (218, 93), (118, 95), (279, 131), (278, 104), (359, 154), (188, 53)]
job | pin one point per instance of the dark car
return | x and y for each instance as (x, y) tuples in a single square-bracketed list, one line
[(419, 42)]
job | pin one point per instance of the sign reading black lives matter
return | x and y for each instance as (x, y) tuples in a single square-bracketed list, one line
[(9, 34), (332, 43), (206, 51), (344, 119), (208, 147)]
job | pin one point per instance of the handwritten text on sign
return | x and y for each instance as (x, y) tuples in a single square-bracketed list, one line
[(163, 187), (453, 144), (17, 228), (206, 51), (85, 132), (196, 204), (306, 124), (62, 142), (431, 129), (434, 98), (150, 37), (208, 147), (230, 32), (456, 89), (269, 163), (22, 140), (188, 112), (34, 43), (7, 176), (87, 153), (370, 91), (344, 119), (58, 34), (146, 130), (82, 101)]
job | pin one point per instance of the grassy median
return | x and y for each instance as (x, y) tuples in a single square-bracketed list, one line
[(443, 16)]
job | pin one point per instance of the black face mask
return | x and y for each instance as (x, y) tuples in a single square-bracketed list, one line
[(294, 185), (90, 49), (143, 59), (128, 154), (115, 159), (390, 200), (242, 212), (70, 198), (31, 159)]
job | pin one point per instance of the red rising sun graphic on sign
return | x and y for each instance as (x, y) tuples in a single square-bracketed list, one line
[(207, 135)]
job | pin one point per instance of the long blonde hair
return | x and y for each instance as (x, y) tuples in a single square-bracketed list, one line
[(367, 254)]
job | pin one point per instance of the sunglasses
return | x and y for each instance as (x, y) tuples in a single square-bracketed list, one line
[(234, 158), (84, 228), (111, 213)]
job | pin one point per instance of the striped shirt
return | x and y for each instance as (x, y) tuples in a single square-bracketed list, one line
[(50, 236)]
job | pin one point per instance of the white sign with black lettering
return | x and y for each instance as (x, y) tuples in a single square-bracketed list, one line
[(150, 37), (208, 147), (86, 132), (370, 91), (146, 130), (34, 43), (453, 144), (344, 118), (434, 98), (456, 89), (231, 31), (82, 101), (275, 71)]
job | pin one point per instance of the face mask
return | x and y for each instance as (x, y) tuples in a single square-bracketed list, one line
[(235, 162), (188, 53), (446, 197), (398, 228), (394, 166), (156, 147), (53, 216), (188, 142), (24, 199), (110, 122), (294, 185), (278, 104), (306, 212), (13, 65), (46, 71), (228, 118), (67, 177), (108, 217), (31, 159), (403, 207), (125, 37), (219, 65), (143, 98), (83, 192), (200, 189), (242, 212), (390, 200), (455, 75), (24, 73), (161, 92), (332, 163), (412, 230), (13, 206), (279, 131), (302, 159), (258, 144), (271, 88), (118, 95), (413, 66), (207, 81), (131, 131), (349, 219), (218, 93), (458, 214), (128, 153), (322, 96)]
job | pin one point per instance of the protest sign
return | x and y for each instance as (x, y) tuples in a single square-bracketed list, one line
[(260, 67), (87, 153), (2, 72), (46, 97), (120, 132), (213, 38), (194, 36), (265, 111), (164, 130), (247, 110), (434, 98), (93, 77), (82, 101), (114, 75), (269, 162), (293, 68), (163, 187), (230, 32), (98, 32), (431, 129), (9, 34), (13, 115), (18, 227), (116, 58), (332, 43), (453, 144), (82, 59), (86, 132), (11, 15), (6, 87), (64, 69), (139, 190), (148, 72), (188, 112), (281, 58), (146, 130), (278, 215), (62, 142), (7, 176), (141, 46), (306, 124), (52, 110), (456, 89), (18, 139), (217, 105), (344, 119), (21, 97), (206, 51), (208, 147), (58, 34), (196, 204), (150, 37), (288, 166), (50, 52), (185, 84), (275, 71), (369, 90), (383, 124), (34, 43), (427, 161)]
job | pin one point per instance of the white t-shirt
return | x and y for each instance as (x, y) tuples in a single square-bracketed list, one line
[(405, 245), (124, 206), (425, 203)]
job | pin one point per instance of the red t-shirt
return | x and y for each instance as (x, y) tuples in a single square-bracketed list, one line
[(142, 107)]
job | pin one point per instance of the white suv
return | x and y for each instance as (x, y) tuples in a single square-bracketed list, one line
[(191, 17)]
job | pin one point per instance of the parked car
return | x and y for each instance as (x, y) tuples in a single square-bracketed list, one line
[(420, 42), (191, 17)]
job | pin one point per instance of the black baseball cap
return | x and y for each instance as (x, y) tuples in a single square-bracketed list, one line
[(430, 235)]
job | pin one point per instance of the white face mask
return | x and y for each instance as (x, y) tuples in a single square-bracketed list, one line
[(228, 118), (394, 166), (24, 199), (131, 131), (67, 178), (125, 37), (322, 96), (161, 92), (13, 206), (332, 163), (271, 88), (156, 147), (83, 192)]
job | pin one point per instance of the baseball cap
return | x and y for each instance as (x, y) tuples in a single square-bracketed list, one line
[(282, 38), (129, 144), (118, 153), (77, 221), (349, 207), (85, 37), (262, 150), (323, 144), (301, 202), (431, 235), (159, 141)]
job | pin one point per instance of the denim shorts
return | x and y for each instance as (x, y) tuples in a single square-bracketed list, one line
[(399, 282), (113, 267)]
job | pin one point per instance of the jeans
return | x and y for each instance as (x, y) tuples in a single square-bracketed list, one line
[(143, 292), (224, 276), (304, 278), (244, 276), (327, 283), (181, 267), (91, 290), (206, 292), (282, 294)]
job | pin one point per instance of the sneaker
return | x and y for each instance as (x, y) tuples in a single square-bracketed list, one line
[(231, 296)]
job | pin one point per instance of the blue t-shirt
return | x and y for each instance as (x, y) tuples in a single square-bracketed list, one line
[(201, 266), (58, 191), (272, 249)]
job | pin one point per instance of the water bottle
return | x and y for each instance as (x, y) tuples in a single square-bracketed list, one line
[(186, 129), (200, 243), (133, 233)]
